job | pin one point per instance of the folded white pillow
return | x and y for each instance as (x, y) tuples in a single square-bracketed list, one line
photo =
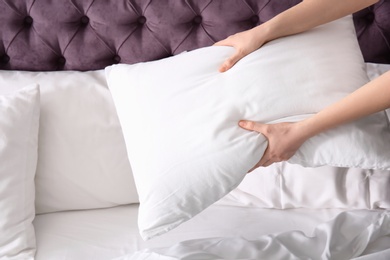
[(179, 117), (82, 160), (19, 123)]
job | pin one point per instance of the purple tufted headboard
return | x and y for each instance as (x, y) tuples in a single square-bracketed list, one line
[(46, 35)]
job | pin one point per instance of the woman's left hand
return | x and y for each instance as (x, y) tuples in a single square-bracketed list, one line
[(244, 43)]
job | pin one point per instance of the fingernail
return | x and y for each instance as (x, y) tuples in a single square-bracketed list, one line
[(242, 123)]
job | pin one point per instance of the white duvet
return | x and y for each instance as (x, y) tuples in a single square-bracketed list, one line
[(351, 235)]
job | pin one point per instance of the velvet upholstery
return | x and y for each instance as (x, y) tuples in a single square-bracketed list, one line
[(45, 35), (373, 30)]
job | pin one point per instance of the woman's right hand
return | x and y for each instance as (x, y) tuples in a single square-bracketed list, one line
[(284, 139)]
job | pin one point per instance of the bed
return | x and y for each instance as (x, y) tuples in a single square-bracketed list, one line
[(74, 171)]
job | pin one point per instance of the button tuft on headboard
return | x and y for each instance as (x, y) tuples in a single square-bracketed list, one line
[(255, 19), (197, 19), (4, 59), (141, 20), (84, 20), (61, 61), (116, 59), (369, 17), (27, 21)]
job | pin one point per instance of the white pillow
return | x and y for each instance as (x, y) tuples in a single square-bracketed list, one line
[(19, 122), (179, 117), (82, 160), (284, 185)]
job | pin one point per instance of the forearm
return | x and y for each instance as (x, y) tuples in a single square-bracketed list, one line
[(309, 14), (371, 98)]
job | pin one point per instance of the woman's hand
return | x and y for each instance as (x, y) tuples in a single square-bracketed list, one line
[(299, 18), (284, 139), (244, 42)]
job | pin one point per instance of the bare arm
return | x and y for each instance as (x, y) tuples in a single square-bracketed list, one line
[(299, 18), (372, 97), (311, 13), (286, 138)]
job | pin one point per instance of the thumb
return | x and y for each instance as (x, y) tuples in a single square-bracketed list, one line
[(231, 61), (252, 126), (224, 42)]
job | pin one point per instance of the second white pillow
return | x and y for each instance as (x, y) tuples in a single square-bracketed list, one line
[(19, 124)]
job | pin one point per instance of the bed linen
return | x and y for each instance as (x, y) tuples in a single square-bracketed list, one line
[(283, 185), (78, 127), (351, 235), (112, 233), (103, 234), (19, 124)]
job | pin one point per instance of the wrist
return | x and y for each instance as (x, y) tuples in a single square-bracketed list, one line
[(262, 33), (308, 128), (275, 28)]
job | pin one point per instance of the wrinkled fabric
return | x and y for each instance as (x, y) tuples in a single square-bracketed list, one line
[(347, 236)]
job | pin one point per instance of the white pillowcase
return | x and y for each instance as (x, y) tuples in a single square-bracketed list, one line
[(82, 160), (19, 123), (283, 185), (179, 117)]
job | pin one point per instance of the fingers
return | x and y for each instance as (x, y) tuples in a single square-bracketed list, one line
[(225, 42), (253, 126), (229, 63), (248, 125), (260, 128), (239, 54), (267, 163), (264, 162)]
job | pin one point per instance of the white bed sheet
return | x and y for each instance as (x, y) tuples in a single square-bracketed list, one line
[(283, 185), (350, 235), (110, 233)]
